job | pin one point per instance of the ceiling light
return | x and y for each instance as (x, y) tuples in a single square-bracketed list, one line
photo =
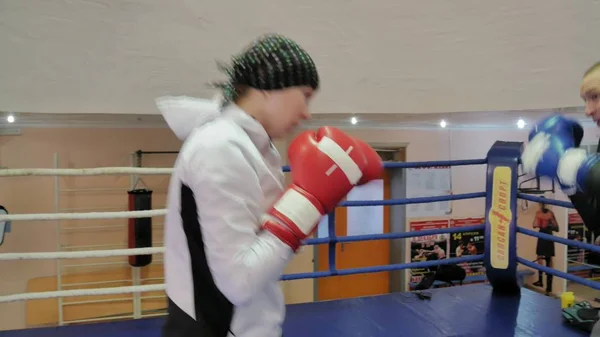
[(353, 120), (10, 118), (520, 123), (443, 123)]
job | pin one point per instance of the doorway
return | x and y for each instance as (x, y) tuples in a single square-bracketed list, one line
[(359, 254)]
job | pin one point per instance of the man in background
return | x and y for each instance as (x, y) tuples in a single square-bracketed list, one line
[(547, 224)]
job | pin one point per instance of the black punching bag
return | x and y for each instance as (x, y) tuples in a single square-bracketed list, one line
[(140, 229)]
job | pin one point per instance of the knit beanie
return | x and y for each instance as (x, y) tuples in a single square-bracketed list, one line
[(271, 62)]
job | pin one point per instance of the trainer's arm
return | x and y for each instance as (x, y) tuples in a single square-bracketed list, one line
[(587, 172), (581, 170), (587, 208), (588, 175), (230, 202)]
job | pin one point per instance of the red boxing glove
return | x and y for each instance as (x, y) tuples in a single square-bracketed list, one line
[(326, 165), (370, 172)]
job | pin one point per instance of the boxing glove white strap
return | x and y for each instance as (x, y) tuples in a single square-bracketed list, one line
[(294, 217), (341, 158), (569, 165), (533, 152), (298, 212)]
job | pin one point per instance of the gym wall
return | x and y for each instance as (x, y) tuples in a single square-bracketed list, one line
[(80, 148), (77, 148)]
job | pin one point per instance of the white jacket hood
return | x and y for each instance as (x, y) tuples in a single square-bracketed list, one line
[(183, 113)]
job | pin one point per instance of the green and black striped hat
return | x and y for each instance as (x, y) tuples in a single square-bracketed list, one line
[(271, 62)]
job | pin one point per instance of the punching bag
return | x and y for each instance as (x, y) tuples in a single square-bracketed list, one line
[(4, 225), (140, 229)]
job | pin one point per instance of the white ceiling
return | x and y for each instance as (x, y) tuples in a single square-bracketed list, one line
[(380, 57)]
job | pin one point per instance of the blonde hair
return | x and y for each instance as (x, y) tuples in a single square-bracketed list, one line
[(589, 82), (592, 69)]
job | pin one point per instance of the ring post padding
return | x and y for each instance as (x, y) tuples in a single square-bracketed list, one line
[(500, 256)]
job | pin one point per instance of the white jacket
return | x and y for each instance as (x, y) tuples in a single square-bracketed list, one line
[(234, 171)]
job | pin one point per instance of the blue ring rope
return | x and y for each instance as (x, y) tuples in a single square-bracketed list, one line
[(377, 269), (408, 201), (387, 236), (416, 164), (545, 201), (580, 280), (573, 243), (332, 240)]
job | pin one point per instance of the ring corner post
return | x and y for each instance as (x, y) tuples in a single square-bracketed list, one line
[(500, 256)]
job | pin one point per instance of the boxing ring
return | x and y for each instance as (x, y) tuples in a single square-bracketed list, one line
[(500, 307)]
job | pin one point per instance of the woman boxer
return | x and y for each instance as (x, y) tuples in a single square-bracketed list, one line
[(231, 225)]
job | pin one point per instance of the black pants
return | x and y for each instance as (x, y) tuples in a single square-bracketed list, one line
[(544, 247), (549, 277), (180, 324)]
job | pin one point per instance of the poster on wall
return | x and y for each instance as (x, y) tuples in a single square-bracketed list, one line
[(428, 182), (468, 243), (576, 257), (427, 248)]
